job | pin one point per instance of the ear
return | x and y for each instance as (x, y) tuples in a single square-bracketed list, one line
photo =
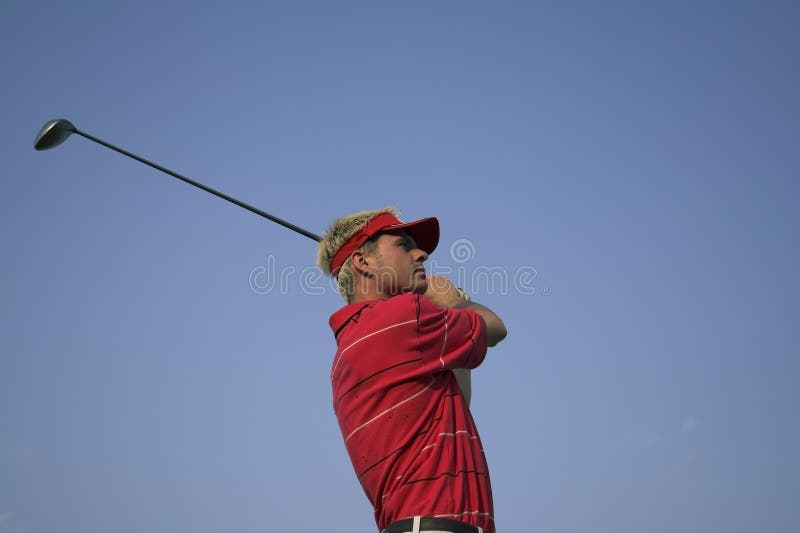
[(360, 263)]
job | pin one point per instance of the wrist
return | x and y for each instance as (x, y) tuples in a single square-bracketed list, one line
[(464, 297)]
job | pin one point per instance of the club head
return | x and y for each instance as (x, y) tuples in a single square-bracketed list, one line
[(53, 133)]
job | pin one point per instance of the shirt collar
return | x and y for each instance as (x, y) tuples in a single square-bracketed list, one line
[(343, 315)]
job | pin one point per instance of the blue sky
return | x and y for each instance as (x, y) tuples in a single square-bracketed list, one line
[(630, 169)]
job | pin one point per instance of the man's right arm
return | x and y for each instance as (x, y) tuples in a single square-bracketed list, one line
[(442, 292), (495, 328)]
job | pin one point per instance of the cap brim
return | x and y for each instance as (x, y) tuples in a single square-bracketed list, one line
[(425, 232)]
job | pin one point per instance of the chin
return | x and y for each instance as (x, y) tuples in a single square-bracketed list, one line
[(420, 287)]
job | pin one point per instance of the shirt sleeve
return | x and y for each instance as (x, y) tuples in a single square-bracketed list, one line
[(450, 338)]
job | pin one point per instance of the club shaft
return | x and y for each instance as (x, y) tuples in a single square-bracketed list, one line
[(199, 185)]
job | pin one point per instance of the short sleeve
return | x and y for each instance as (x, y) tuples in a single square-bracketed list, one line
[(450, 338)]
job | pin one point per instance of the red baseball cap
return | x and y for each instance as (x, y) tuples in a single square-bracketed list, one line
[(424, 231)]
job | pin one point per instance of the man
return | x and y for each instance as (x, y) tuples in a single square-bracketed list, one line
[(402, 411)]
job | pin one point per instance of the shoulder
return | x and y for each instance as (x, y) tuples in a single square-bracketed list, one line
[(414, 306), (376, 314), (406, 309), (401, 307)]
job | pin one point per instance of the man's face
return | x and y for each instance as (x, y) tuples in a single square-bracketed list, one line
[(399, 264)]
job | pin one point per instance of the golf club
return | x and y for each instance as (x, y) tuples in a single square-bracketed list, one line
[(56, 132)]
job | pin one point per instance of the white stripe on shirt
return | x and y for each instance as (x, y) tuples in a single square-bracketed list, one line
[(338, 359), (444, 345), (395, 406)]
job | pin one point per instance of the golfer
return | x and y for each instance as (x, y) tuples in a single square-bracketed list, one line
[(400, 375)]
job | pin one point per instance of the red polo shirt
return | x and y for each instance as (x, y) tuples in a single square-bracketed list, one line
[(406, 426)]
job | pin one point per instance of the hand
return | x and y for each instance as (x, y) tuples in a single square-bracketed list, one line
[(441, 291)]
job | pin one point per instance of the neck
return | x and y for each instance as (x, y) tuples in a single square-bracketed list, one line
[(367, 296)]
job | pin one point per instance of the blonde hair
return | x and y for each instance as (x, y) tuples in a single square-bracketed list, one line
[(338, 233)]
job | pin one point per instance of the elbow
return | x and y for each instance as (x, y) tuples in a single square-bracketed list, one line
[(496, 333)]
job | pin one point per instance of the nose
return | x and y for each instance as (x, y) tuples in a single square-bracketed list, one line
[(420, 255)]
